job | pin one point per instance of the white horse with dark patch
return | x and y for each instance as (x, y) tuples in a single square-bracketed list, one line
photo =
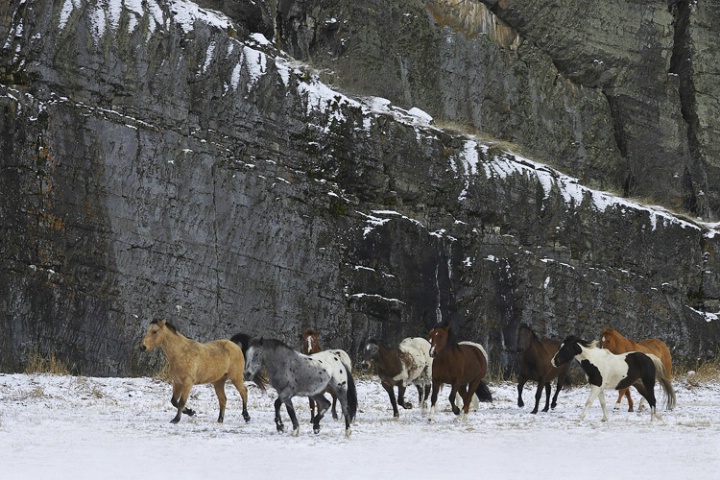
[(606, 370), (293, 373), (409, 363)]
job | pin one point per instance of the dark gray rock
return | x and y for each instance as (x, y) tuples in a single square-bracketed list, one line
[(169, 162)]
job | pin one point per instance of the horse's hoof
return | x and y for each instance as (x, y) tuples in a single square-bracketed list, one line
[(246, 417), (534, 412), (316, 431), (296, 432), (175, 420), (521, 404)]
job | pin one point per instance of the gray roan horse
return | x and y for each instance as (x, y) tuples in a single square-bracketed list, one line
[(293, 373)]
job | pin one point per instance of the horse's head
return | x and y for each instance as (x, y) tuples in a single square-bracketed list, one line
[(310, 341), (155, 335), (570, 347), (370, 353), (254, 359), (438, 339), (609, 339)]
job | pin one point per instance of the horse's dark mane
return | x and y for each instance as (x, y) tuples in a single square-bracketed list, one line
[(532, 332), (584, 343), (452, 339), (241, 339), (270, 343)]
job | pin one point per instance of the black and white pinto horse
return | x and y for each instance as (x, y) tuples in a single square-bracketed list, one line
[(606, 370), (293, 373)]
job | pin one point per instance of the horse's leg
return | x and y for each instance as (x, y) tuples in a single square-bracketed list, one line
[(181, 392), (521, 384), (647, 390), (453, 392), (628, 395), (433, 399), (391, 393), (222, 398), (548, 389), (242, 390), (342, 395), (293, 418), (421, 398), (278, 421), (558, 386), (311, 403), (322, 405), (601, 396), (641, 405), (401, 398), (334, 402), (538, 394), (427, 388), (594, 392)]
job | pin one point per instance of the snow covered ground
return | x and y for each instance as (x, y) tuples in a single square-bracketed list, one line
[(64, 427)]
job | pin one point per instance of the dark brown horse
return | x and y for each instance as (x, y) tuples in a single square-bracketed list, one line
[(310, 345), (535, 365), (462, 365), (616, 343), (408, 363)]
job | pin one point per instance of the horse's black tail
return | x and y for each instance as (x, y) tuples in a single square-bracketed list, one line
[(483, 392), (352, 402), (243, 341)]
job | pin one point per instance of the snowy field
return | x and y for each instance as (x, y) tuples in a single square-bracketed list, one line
[(64, 427)]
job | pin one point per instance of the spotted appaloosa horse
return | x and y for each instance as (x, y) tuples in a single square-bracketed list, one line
[(293, 373), (535, 365), (192, 363), (462, 365), (606, 370), (408, 363), (311, 346), (616, 343)]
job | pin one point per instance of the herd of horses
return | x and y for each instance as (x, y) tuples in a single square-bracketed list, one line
[(615, 362)]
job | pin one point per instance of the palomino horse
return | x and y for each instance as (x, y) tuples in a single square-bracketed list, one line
[(406, 364), (461, 365), (606, 370), (293, 373), (535, 365), (616, 343), (192, 363), (311, 345)]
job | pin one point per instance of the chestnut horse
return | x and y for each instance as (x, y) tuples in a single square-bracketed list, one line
[(535, 365), (616, 343), (192, 363), (462, 365), (311, 345)]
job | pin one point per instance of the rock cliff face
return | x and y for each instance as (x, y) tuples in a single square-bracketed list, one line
[(164, 160)]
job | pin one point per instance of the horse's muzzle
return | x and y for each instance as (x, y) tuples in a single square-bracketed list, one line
[(142, 347), (432, 352)]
